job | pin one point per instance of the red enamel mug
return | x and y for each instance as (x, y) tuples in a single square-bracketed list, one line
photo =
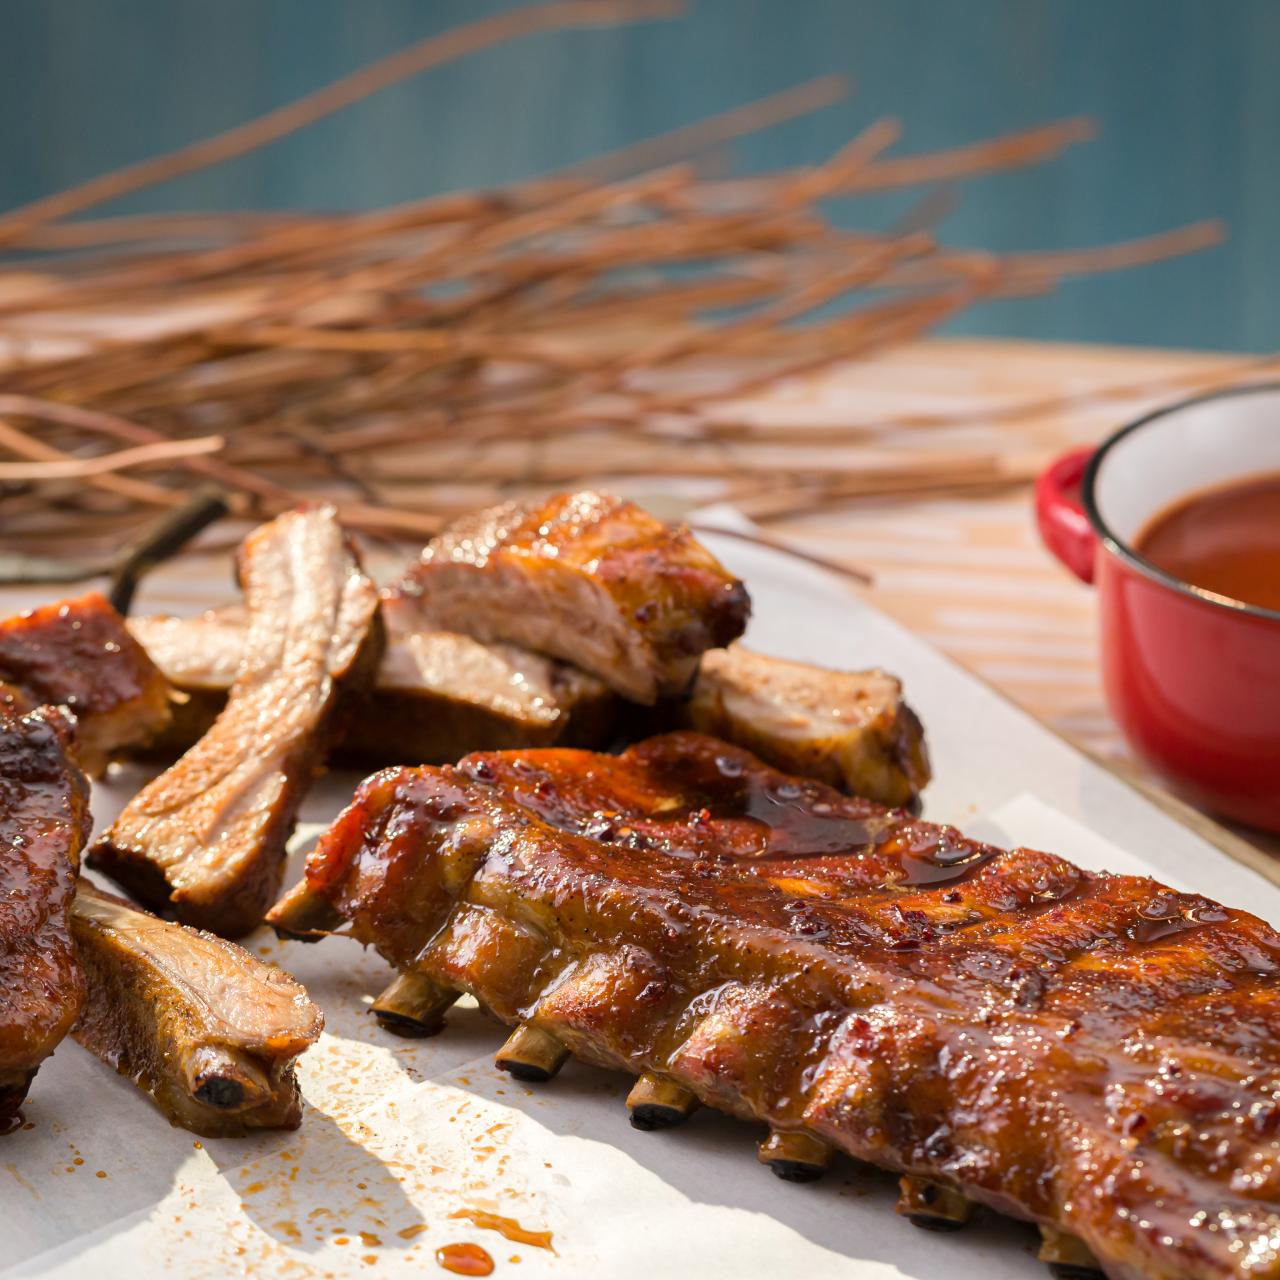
[(1192, 677)]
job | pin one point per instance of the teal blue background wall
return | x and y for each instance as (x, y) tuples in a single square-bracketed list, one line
[(1187, 93)]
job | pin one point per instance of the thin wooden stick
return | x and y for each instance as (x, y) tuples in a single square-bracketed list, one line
[(149, 227), (138, 490), (715, 131), (109, 463), (1031, 146), (1007, 151), (841, 172), (120, 429), (860, 576)]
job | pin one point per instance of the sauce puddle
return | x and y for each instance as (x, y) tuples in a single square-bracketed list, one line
[(1226, 540), (464, 1259)]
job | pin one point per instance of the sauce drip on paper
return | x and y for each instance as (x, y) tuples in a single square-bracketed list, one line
[(464, 1259)]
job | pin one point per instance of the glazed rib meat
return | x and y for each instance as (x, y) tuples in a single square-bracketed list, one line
[(1095, 1053), (44, 822), (436, 696), (210, 1032), (587, 578), (849, 729), (208, 836), (79, 654)]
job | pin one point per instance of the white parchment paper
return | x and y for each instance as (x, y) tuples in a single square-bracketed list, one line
[(401, 1135)]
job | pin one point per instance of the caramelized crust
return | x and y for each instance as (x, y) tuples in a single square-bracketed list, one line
[(44, 822), (79, 653), (849, 729), (1096, 1053), (585, 577), (208, 835), (209, 1031)]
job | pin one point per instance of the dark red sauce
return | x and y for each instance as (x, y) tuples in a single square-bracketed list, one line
[(1225, 540)]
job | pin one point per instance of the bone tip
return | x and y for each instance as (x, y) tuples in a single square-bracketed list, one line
[(221, 1092), (796, 1170), (525, 1072), (795, 1157), (408, 1028), (414, 1005), (531, 1055), (932, 1206), (1067, 1256), (1076, 1271), (303, 916), (926, 1222), (652, 1116), (294, 935), (227, 1079), (657, 1103)]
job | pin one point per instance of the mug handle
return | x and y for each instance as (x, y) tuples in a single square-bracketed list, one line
[(1064, 527)]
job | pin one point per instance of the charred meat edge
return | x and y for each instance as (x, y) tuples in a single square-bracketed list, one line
[(79, 654), (207, 837)]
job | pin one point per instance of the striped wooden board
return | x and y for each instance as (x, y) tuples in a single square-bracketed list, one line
[(970, 574)]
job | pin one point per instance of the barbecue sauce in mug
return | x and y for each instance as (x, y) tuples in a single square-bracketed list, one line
[(1225, 540)]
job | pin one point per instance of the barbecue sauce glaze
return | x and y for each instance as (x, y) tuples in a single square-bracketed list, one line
[(1094, 1051)]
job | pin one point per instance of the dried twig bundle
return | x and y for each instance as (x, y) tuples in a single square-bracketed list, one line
[(593, 324)]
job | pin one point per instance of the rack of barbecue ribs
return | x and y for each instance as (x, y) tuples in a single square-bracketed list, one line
[(210, 1032), (849, 729), (436, 695), (207, 837), (44, 822), (1095, 1053), (584, 577), (79, 654)]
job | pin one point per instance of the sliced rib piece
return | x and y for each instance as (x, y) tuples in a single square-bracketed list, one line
[(44, 822), (79, 654), (199, 657), (849, 729), (437, 695), (1096, 1053), (210, 1032), (208, 835), (585, 577)]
